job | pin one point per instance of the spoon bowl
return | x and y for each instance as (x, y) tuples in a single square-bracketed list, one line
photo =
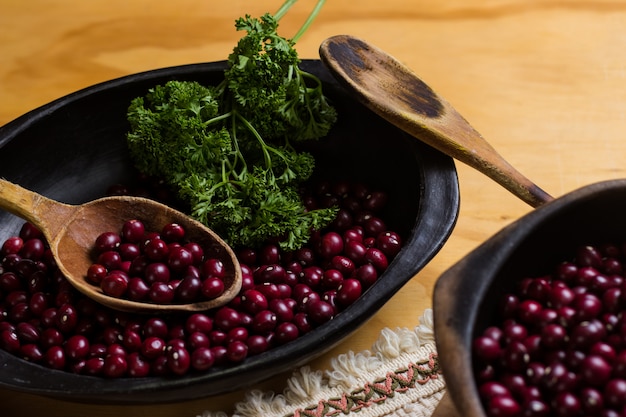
[(71, 231), (394, 92)]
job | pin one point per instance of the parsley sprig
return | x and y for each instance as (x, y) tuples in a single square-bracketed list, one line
[(228, 149)]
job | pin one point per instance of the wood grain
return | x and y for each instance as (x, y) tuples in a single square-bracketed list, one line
[(543, 80)]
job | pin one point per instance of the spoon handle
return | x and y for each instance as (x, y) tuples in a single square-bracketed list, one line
[(46, 214), (395, 93)]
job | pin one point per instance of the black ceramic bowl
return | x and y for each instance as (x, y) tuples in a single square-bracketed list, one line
[(74, 148), (466, 296)]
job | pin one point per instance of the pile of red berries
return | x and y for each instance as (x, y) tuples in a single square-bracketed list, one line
[(158, 267), (284, 295), (560, 347)]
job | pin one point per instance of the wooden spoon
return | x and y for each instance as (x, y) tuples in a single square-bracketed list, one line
[(395, 93), (71, 231)]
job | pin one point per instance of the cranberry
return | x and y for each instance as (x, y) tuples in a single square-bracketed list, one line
[(269, 255), (51, 337), (179, 259), (312, 276), (320, 311), (202, 359), (589, 256), (587, 333), (553, 336), (27, 333), (503, 406), (264, 322), (153, 347), (588, 306), (301, 321), (305, 256), (591, 401), (196, 251), (286, 332), (566, 404), (247, 256), (137, 289), (257, 344), (212, 287), (156, 250), (560, 296), (226, 318), (9, 282), (513, 331), (94, 366), (331, 279), (529, 311), (111, 260), (355, 250), (173, 232), (331, 245), (157, 272), (12, 245), (375, 201), (66, 318), (115, 366), (77, 347), (389, 242), (138, 367), (33, 249), (161, 293), (213, 268), (156, 327), (96, 273), (54, 357), (614, 393), (348, 292), (343, 220), (377, 258), (486, 348), (178, 359), (199, 322), (269, 290), (282, 309), (374, 226), (107, 241), (133, 231), (138, 266), (114, 284), (254, 301), (236, 351), (9, 341)]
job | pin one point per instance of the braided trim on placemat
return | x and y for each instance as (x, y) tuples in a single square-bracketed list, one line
[(399, 377)]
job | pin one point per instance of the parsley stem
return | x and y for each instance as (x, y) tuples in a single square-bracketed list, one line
[(255, 133), (218, 118), (283, 9), (309, 20)]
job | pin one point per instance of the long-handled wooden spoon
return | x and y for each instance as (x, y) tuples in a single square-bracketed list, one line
[(71, 231), (395, 93)]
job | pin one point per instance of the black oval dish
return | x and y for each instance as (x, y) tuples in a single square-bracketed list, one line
[(465, 296), (74, 148)]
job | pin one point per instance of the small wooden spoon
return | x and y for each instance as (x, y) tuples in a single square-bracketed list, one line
[(71, 231), (395, 93)]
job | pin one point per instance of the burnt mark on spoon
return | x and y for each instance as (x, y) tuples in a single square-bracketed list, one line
[(353, 57), (347, 54)]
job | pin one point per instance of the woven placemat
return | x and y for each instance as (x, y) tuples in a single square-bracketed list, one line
[(398, 377)]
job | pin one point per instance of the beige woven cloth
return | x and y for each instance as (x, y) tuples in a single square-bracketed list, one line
[(398, 377)]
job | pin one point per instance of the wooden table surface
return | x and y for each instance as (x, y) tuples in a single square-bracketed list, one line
[(543, 80)]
